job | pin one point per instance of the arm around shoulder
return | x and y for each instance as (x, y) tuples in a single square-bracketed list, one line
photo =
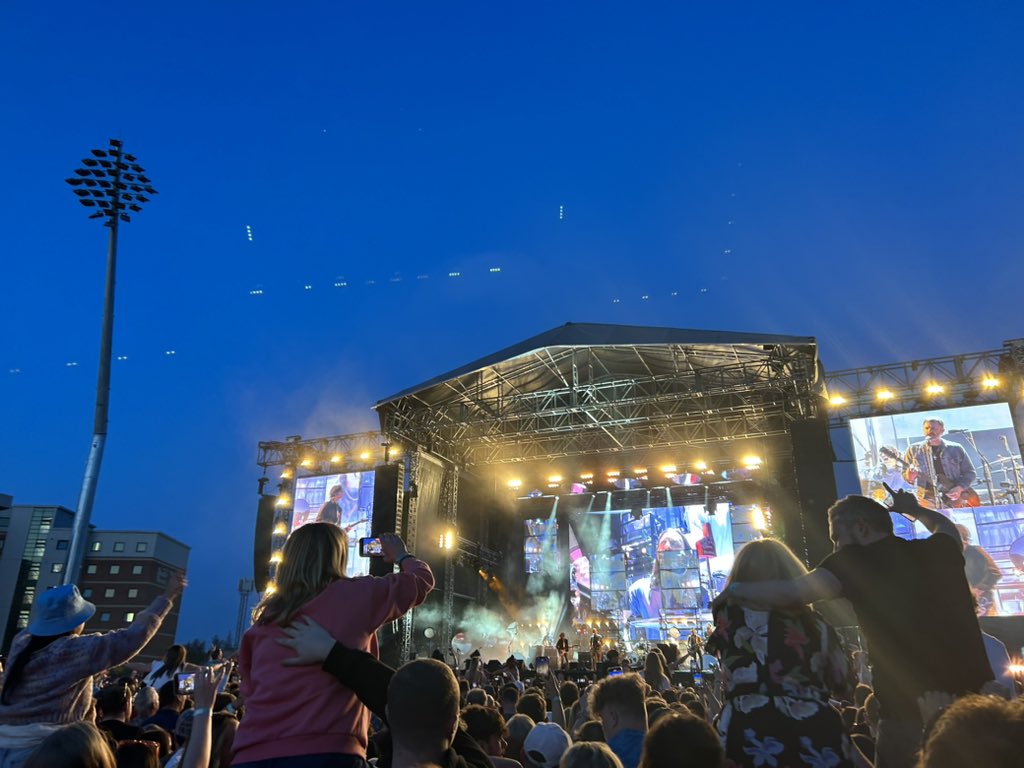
[(819, 584)]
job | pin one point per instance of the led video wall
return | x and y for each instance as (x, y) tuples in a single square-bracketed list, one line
[(346, 500), (644, 569), (965, 462)]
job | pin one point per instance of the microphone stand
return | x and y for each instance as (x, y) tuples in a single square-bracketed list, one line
[(986, 468), (1016, 470)]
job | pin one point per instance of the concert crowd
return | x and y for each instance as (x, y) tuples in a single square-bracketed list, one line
[(770, 683)]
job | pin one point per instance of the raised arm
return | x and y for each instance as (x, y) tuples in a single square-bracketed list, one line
[(103, 651), (398, 592), (905, 503)]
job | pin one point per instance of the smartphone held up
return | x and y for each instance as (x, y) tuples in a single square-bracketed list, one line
[(185, 683), (371, 547)]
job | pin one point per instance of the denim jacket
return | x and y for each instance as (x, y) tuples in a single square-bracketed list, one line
[(956, 464)]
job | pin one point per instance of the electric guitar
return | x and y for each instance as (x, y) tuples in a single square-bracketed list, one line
[(926, 496)]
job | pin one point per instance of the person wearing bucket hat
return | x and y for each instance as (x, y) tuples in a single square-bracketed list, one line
[(49, 681)]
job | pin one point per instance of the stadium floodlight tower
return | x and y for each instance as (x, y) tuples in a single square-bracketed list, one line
[(113, 186)]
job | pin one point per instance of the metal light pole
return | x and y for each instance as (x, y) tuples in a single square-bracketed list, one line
[(112, 183)]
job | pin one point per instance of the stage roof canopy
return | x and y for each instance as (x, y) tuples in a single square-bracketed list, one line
[(586, 388)]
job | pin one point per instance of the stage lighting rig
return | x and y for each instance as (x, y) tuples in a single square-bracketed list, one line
[(113, 186)]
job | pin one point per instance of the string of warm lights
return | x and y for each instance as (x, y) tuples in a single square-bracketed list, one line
[(681, 474), (987, 383)]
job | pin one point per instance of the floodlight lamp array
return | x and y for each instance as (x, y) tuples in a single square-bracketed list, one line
[(112, 184)]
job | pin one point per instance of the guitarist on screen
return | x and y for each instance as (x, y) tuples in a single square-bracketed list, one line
[(938, 465)]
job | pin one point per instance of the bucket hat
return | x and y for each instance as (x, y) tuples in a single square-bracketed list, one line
[(59, 610)]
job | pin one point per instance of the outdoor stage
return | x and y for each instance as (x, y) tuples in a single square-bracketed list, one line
[(603, 477)]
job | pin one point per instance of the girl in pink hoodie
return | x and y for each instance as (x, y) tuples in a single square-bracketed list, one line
[(294, 712)]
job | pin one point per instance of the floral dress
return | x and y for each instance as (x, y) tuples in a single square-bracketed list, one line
[(778, 672)]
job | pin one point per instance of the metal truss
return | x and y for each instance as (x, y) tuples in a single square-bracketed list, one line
[(320, 451), (475, 553), (855, 391), (410, 521), (449, 510), (583, 408)]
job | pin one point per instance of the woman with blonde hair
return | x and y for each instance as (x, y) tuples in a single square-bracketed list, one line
[(302, 714), (779, 670), (79, 745)]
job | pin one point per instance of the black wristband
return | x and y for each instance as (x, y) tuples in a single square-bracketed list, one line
[(403, 558)]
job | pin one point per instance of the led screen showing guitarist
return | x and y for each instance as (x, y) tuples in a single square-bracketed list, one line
[(941, 468)]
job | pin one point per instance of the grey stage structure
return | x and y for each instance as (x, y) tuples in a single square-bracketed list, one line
[(585, 389)]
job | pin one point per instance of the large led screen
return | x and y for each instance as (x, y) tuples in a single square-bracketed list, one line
[(345, 500), (965, 462), (652, 569)]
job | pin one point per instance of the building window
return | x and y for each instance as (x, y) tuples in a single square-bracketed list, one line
[(108, 593), (132, 593), (56, 567), (136, 570), (115, 569), (142, 546), (62, 544), (119, 546), (104, 617), (87, 592), (95, 546), (129, 616), (90, 569)]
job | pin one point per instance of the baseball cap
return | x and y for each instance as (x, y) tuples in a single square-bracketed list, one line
[(545, 744)]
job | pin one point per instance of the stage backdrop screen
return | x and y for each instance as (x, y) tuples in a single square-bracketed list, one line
[(972, 476), (343, 499), (651, 566)]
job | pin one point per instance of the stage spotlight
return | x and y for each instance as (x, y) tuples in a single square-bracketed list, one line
[(307, 462), (282, 501), (587, 476), (280, 529), (286, 474), (990, 382), (837, 400), (336, 458), (364, 456), (934, 389), (515, 483), (429, 633), (277, 557), (884, 394), (446, 540), (270, 589), (751, 462), (612, 473), (701, 466), (556, 479), (639, 471), (758, 519), (669, 469)]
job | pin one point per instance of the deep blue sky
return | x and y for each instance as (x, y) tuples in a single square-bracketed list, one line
[(861, 165)]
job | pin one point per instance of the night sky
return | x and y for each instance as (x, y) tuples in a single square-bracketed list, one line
[(848, 173)]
